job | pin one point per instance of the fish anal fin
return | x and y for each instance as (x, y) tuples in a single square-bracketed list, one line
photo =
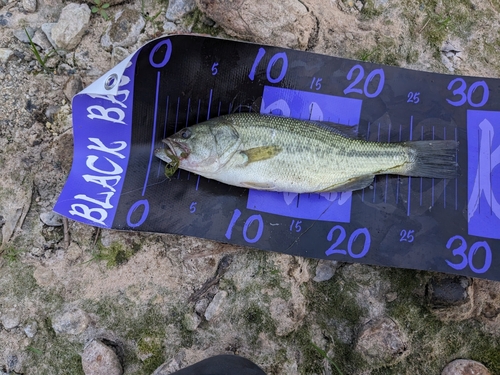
[(257, 185), (261, 153), (352, 184)]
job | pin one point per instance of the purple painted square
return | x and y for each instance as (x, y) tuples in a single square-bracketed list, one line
[(483, 139), (307, 106)]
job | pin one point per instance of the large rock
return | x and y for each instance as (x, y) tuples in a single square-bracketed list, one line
[(325, 270), (10, 319), (381, 342), (5, 54), (286, 23), (179, 8), (29, 5), (100, 359), (71, 322), (125, 29), (216, 305), (465, 367), (68, 31)]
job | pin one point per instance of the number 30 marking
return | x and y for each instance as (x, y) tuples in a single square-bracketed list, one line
[(468, 259), (467, 97)]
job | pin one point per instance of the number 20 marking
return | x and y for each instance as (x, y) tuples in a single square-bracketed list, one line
[(468, 259), (369, 78), (342, 235)]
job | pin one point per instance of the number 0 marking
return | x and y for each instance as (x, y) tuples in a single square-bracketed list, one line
[(166, 58), (135, 206), (487, 259), (260, 228), (366, 245), (284, 67)]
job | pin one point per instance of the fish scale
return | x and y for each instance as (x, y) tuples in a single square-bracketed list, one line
[(282, 154)]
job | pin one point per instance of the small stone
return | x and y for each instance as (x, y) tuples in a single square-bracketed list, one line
[(10, 320), (40, 39), (100, 359), (12, 362), (51, 218), (325, 270), (118, 55), (214, 306), (171, 367), (74, 252), (31, 329), (391, 297), (4, 21), (72, 322), (110, 2), (465, 367), (201, 306), (169, 27), (64, 69), (21, 34), (125, 29), (73, 86), (73, 22), (179, 8), (448, 291), (51, 112), (5, 55), (191, 321), (47, 29), (381, 342), (29, 5)]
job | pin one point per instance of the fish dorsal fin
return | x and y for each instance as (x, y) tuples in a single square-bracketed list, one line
[(355, 183), (343, 130), (261, 153)]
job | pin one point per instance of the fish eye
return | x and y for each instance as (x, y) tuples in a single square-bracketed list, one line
[(186, 133)]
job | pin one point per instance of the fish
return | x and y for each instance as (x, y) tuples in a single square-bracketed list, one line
[(273, 153)]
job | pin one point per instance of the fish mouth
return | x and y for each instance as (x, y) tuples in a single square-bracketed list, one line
[(161, 154), (180, 150)]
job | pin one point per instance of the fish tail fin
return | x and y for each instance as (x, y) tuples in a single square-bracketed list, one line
[(432, 159)]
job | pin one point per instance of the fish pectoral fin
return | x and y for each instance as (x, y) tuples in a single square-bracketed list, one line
[(355, 183), (257, 185), (261, 153)]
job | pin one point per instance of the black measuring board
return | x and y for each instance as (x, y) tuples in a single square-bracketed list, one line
[(450, 225)]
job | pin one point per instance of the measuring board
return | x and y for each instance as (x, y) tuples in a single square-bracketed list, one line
[(430, 224)]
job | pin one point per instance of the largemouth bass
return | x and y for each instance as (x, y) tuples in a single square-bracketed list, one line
[(282, 154)]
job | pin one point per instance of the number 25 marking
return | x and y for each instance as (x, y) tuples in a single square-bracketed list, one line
[(407, 236), (413, 97)]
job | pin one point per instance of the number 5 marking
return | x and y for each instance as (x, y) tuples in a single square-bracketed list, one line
[(214, 68)]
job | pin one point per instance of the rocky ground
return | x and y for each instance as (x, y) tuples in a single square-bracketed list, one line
[(78, 300)]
